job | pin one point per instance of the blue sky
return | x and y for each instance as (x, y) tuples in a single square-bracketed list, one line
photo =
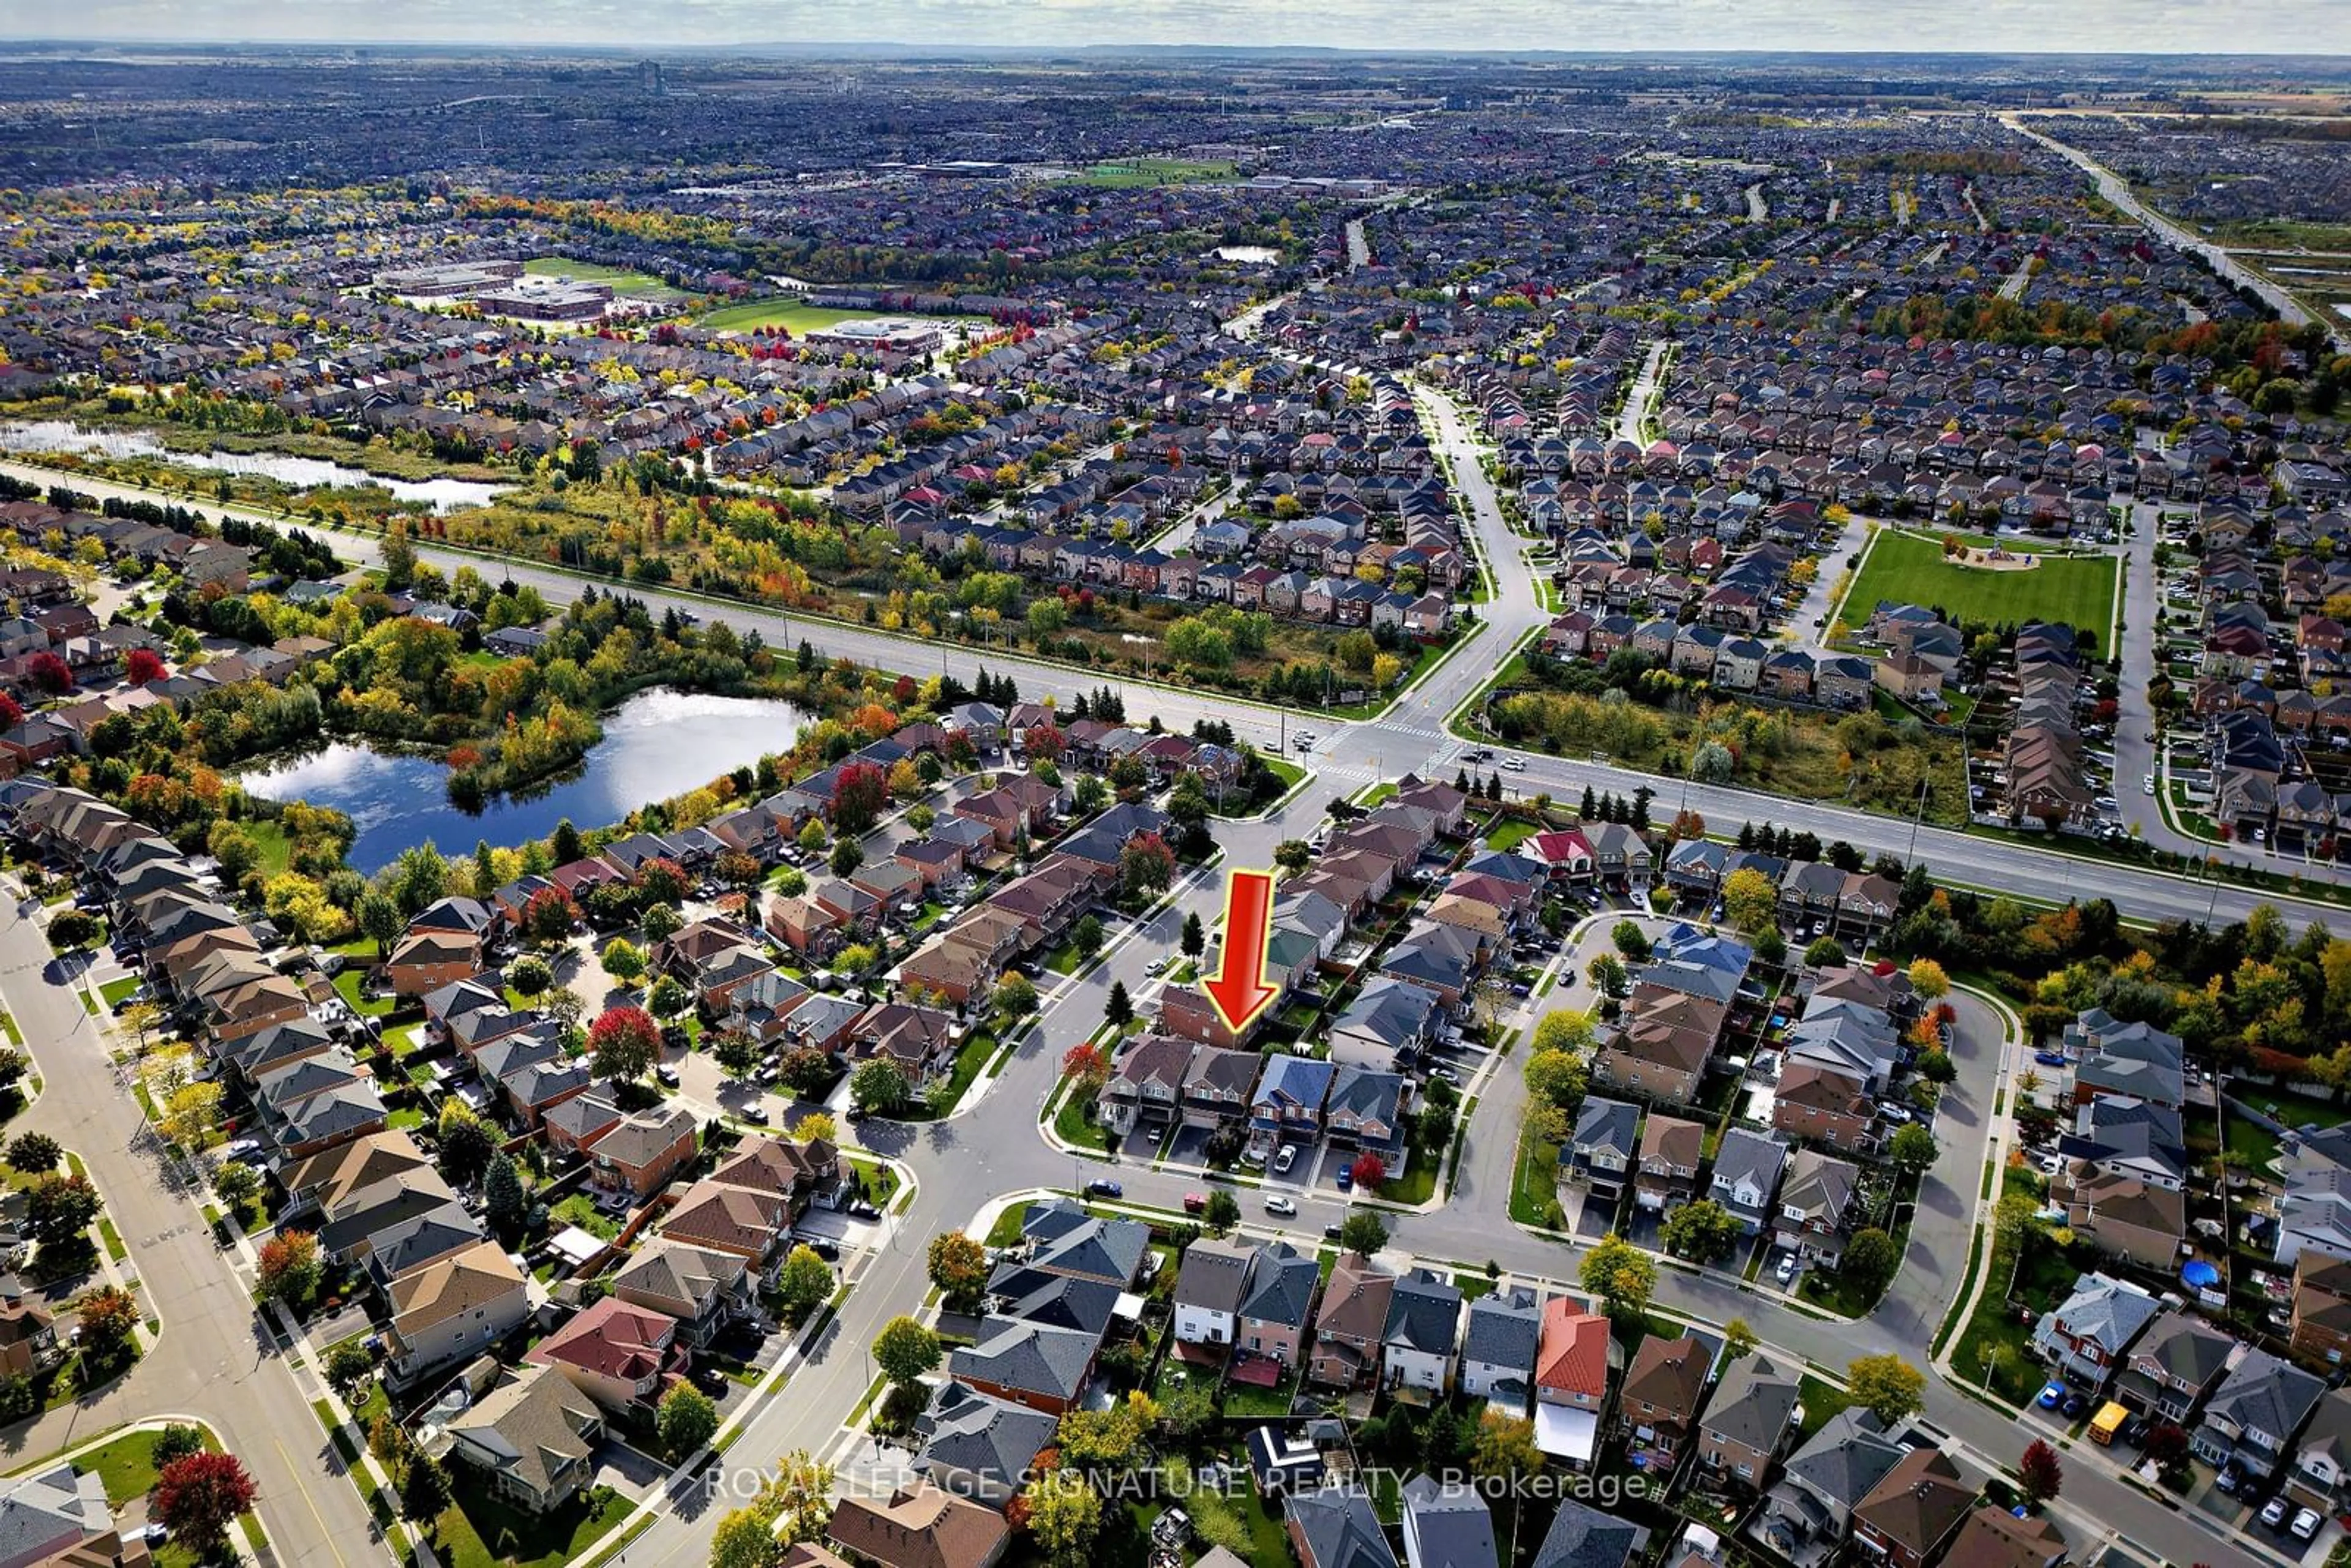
[(2158, 27)]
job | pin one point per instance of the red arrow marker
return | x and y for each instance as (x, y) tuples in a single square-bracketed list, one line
[(1240, 991)]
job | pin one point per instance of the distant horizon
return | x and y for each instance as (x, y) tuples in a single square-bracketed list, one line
[(2145, 29)]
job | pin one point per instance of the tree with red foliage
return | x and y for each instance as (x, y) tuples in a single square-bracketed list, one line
[(858, 798), (1086, 1065), (198, 1496), (49, 673), (549, 916), (1368, 1171), (142, 666), (1045, 742), (625, 1043), (2039, 1472), (662, 880), (12, 712)]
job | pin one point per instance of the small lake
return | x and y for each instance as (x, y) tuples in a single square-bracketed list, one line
[(306, 473), (656, 745)]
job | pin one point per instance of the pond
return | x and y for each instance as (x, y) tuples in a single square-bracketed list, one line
[(656, 745), (305, 472)]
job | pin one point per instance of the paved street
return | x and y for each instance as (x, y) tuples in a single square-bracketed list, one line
[(997, 1146), (211, 1360)]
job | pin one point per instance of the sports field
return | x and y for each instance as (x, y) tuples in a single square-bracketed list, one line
[(796, 319), (1132, 171), (625, 282), (2078, 591)]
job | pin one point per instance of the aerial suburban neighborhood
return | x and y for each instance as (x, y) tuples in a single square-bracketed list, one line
[(1019, 798)]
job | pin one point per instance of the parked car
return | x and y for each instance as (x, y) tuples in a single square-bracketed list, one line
[(668, 1076), (2053, 1393), (1099, 1188), (1346, 1178), (1281, 1204), (1196, 1203), (2273, 1512), (2075, 1404), (824, 1247), (1285, 1159), (2049, 1058), (2305, 1524), (755, 1114), (1786, 1273)]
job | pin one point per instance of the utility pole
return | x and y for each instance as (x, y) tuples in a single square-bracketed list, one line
[(1915, 820)]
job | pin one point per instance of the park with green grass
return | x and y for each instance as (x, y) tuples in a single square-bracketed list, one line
[(1911, 568), (1129, 172), (623, 281), (775, 311)]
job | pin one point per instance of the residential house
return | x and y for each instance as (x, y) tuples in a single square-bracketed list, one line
[(1747, 1169), (531, 1439), (2252, 1419), (1335, 1529), (1809, 1510), (1422, 1335), (1574, 1359), (1671, 1152), (644, 1150), (1446, 1526), (454, 1307), (706, 1292), (978, 1448), (2089, 1335), (1273, 1315), (1995, 1537), (1211, 1286), (1042, 1365), (2178, 1361), (1914, 1510), (1498, 1350), (919, 1526), (1815, 1205), (1350, 1327), (1581, 1536), (622, 1355), (1749, 1422), (1601, 1151), (1658, 1406)]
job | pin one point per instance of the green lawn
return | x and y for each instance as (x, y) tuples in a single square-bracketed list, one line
[(579, 1210), (270, 842), (1132, 171), (1534, 1183), (623, 280), (113, 991), (1510, 835), (2254, 1147), (126, 1466), (1907, 569), (347, 986), (1821, 1402), (479, 1531), (792, 316)]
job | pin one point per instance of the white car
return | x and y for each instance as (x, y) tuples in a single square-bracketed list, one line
[(1154, 967), (1284, 1160), (1514, 765), (1275, 1203), (2147, 785), (1786, 1273)]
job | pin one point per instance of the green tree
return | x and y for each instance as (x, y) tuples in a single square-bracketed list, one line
[(33, 1154), (745, 1540), (1738, 1339), (686, 1419), (1362, 1232), (1086, 936), (878, 1087), (423, 1487), (624, 960), (237, 1185), (529, 977), (349, 1365), (1912, 1148), (1621, 1275), (380, 920), (1064, 1515), (1222, 1213), (905, 1351), (804, 1282), (958, 1267), (1118, 1010), (1564, 1029), (503, 1199), (466, 1145), (1869, 1262), (1750, 900), (1704, 1231), (1195, 940), (1886, 1385), (1825, 953)]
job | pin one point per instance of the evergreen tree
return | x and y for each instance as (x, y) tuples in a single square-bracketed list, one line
[(502, 1194), (1746, 835)]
